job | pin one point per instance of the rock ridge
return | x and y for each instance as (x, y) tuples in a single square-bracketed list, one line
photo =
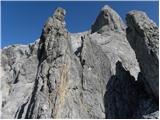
[(109, 72)]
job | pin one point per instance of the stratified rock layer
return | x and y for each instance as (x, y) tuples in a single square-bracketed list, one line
[(79, 75)]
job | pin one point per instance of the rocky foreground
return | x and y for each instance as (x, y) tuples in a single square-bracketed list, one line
[(109, 71)]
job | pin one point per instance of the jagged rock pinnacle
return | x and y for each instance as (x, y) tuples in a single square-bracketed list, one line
[(83, 75), (53, 34), (105, 7), (59, 13), (56, 22), (108, 19)]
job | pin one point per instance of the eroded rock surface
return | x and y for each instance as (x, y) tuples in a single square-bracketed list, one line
[(93, 74)]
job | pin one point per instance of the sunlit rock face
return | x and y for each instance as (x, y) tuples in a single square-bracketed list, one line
[(107, 20), (106, 72)]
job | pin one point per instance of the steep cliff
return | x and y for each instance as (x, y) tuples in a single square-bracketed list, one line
[(99, 73), (143, 35)]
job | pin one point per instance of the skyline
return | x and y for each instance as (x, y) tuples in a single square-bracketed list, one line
[(22, 22)]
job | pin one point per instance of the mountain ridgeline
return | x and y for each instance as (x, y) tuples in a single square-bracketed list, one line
[(110, 71)]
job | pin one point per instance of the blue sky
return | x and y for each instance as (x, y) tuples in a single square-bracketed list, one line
[(22, 22)]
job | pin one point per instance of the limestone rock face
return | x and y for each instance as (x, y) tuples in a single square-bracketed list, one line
[(143, 36), (108, 19), (93, 74)]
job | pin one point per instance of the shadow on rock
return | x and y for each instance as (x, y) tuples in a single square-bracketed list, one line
[(125, 97)]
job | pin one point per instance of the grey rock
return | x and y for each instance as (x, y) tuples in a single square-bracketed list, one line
[(17, 77), (117, 48), (93, 74), (108, 19), (143, 35)]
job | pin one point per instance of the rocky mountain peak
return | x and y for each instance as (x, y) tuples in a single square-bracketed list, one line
[(112, 73), (53, 35), (139, 21), (137, 17), (54, 23), (108, 19), (59, 14)]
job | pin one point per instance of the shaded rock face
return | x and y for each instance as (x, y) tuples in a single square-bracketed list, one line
[(93, 74), (143, 36), (127, 98)]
